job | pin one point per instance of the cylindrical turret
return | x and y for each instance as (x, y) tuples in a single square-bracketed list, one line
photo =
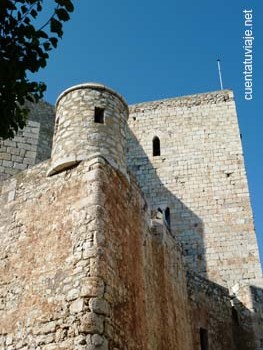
[(90, 121)]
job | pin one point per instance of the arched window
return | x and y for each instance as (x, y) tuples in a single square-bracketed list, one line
[(167, 217), (156, 146)]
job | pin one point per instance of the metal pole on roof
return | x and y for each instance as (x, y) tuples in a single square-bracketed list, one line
[(220, 74)]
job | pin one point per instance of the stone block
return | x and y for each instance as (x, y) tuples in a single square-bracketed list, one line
[(77, 306), (5, 156), (92, 287), (100, 306), (73, 294), (100, 342), (91, 323), (49, 327)]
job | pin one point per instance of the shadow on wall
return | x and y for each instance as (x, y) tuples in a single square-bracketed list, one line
[(257, 314), (183, 223), (44, 114), (247, 323)]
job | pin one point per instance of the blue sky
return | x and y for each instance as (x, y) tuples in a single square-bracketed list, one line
[(149, 50)]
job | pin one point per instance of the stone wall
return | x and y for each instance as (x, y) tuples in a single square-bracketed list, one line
[(211, 310), (88, 263), (51, 295), (84, 266), (81, 267), (200, 175), (31, 145), (247, 302), (256, 292), (143, 266)]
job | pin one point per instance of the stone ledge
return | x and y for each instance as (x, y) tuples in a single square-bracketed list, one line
[(95, 86), (185, 101)]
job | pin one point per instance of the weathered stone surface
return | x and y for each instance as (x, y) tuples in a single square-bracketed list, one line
[(77, 306), (31, 145), (50, 327), (200, 176), (91, 287), (87, 263), (75, 112), (100, 306), (92, 323), (73, 294), (99, 342)]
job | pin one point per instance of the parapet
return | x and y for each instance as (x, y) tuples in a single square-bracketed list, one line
[(187, 101), (91, 120)]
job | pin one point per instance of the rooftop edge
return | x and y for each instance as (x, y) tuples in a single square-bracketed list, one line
[(96, 86), (200, 96)]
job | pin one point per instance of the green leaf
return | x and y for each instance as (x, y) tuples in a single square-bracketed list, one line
[(27, 20), (42, 34), (67, 4), (25, 49), (24, 9), (42, 62), (33, 13), (39, 6), (62, 14), (19, 16), (30, 98), (56, 27), (47, 46), (54, 41)]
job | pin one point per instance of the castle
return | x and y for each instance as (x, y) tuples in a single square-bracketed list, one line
[(133, 231)]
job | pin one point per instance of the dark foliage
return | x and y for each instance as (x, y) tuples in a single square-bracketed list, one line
[(25, 48)]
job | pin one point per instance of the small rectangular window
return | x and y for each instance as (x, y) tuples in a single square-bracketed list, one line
[(203, 339), (56, 125), (167, 217), (99, 115)]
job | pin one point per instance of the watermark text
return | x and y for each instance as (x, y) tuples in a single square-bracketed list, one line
[(248, 54)]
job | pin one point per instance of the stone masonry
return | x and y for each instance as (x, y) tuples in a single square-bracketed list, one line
[(200, 176), (31, 145), (105, 246)]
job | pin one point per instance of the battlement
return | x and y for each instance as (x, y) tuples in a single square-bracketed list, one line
[(183, 101), (94, 86)]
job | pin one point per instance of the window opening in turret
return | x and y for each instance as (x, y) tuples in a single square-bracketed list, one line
[(56, 125), (167, 217), (156, 146), (99, 115), (203, 339)]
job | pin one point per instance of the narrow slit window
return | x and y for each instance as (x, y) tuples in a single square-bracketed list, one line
[(156, 146), (235, 315), (167, 217), (99, 115), (203, 339), (56, 125)]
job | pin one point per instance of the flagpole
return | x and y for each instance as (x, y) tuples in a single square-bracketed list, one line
[(219, 72)]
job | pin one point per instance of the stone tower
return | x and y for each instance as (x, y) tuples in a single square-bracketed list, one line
[(95, 258), (79, 260), (198, 173), (90, 120)]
